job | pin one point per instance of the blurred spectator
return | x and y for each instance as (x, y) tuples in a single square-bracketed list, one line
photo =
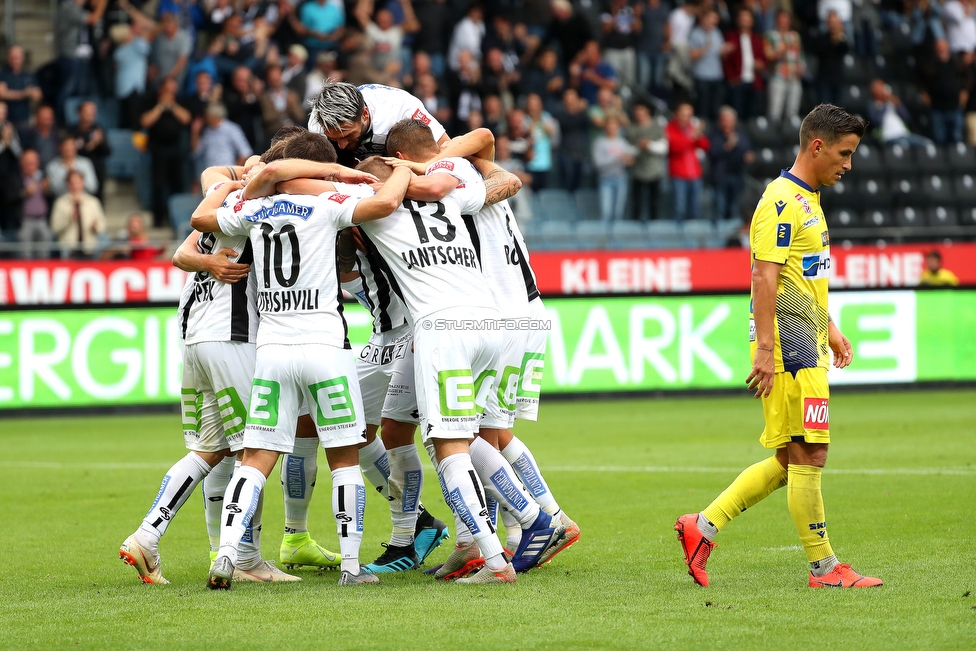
[(935, 275), (467, 36), (90, 141), (844, 9), (574, 146), (58, 169), (544, 132), (359, 67), (131, 58), (945, 93), (729, 154), (243, 104), (325, 68), (221, 142), (10, 180), (500, 77), (204, 94), (323, 21), (519, 138), (647, 136), (187, 12), (434, 17), (137, 245), (73, 48), (166, 124), (681, 21), (620, 25), (787, 68), (435, 103), (280, 106), (569, 29), (9, 138), (42, 137), (170, 52), (386, 35), (745, 64), (493, 114), (685, 138), (612, 155), (890, 118), (35, 234), (706, 47), (77, 219), (545, 79), (18, 88), (226, 50), (590, 72), (521, 203), (608, 105), (651, 42), (293, 70), (830, 49), (960, 20), (468, 86)]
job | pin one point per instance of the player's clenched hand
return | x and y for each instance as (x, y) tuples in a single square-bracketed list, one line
[(221, 268), (417, 168), (760, 379), (348, 175), (841, 345)]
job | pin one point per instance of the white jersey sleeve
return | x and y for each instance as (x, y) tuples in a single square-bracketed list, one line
[(388, 105), (470, 192)]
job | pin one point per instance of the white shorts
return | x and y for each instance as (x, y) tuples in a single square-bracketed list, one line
[(385, 370), (533, 365), (216, 383), (324, 376), (455, 371), (501, 407)]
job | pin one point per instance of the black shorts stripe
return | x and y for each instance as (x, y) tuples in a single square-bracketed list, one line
[(345, 326), (239, 318), (384, 278), (185, 317), (473, 234)]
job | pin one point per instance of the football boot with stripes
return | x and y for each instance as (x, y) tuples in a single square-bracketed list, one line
[(394, 559), (571, 538), (429, 535), (544, 534)]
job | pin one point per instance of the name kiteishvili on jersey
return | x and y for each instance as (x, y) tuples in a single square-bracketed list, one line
[(289, 300)]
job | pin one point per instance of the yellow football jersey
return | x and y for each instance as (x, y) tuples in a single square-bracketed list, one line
[(789, 228)]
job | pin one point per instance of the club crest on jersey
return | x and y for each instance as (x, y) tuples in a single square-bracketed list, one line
[(420, 116), (816, 414), (239, 205), (442, 165), (784, 232), (338, 198), (281, 208), (804, 203)]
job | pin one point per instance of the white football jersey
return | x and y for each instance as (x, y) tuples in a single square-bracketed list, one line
[(214, 311), (294, 242), (387, 106), (374, 291)]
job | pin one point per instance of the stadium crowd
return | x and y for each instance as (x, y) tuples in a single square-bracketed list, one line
[(654, 104)]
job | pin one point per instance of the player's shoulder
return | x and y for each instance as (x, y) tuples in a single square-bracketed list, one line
[(778, 199)]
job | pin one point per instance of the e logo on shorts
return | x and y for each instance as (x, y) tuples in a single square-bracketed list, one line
[(530, 376), (457, 393), (265, 395), (232, 411), (815, 413), (334, 402)]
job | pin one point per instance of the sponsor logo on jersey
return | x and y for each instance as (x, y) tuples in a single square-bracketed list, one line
[(382, 355), (421, 116), (812, 221), (784, 233), (281, 208), (804, 203), (816, 265), (780, 206), (442, 165), (338, 198), (816, 414), (239, 205)]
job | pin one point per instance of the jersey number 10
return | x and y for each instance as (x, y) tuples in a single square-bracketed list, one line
[(272, 240)]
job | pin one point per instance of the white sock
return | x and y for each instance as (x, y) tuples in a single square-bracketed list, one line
[(513, 532), (376, 467), (298, 471), (501, 482), (461, 534), (349, 506), (176, 487), (407, 479), (517, 454), (240, 504), (214, 487), (706, 528), (249, 551), (467, 499), (492, 510), (823, 567)]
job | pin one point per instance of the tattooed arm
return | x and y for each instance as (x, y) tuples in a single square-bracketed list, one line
[(499, 184), (219, 173)]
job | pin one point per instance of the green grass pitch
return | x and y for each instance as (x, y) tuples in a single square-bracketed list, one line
[(899, 496)]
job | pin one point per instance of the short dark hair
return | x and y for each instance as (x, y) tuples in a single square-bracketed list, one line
[(830, 123), (310, 146), (277, 149), (374, 165), (287, 132), (934, 254), (411, 137)]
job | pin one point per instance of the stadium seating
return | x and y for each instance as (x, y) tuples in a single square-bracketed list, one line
[(587, 203), (627, 235), (591, 234), (942, 216), (108, 111), (931, 160), (843, 217), (124, 159), (961, 158), (181, 207)]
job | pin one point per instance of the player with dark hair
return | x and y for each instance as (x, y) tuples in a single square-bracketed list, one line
[(791, 339)]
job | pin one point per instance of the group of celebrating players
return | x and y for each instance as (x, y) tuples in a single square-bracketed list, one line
[(417, 227)]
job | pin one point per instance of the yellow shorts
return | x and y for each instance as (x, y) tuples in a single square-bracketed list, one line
[(796, 410)]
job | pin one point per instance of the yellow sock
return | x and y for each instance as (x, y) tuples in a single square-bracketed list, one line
[(805, 502), (753, 485)]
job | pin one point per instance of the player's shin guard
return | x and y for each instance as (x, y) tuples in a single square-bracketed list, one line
[(805, 502), (501, 482), (214, 487), (298, 471), (407, 476), (466, 496), (753, 485), (176, 487), (349, 507), (376, 467), (241, 502), (249, 551), (513, 532), (517, 454)]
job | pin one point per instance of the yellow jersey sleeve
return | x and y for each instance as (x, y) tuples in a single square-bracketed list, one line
[(773, 227)]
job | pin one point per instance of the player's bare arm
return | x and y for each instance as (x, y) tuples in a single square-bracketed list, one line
[(839, 344), (204, 218), (431, 188), (218, 264), (386, 200), (764, 275), (264, 183), (499, 184), (219, 173), (479, 143)]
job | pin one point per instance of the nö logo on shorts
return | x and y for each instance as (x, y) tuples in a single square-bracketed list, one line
[(816, 266), (816, 414)]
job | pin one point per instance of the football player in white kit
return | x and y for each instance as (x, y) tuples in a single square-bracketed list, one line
[(302, 353)]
